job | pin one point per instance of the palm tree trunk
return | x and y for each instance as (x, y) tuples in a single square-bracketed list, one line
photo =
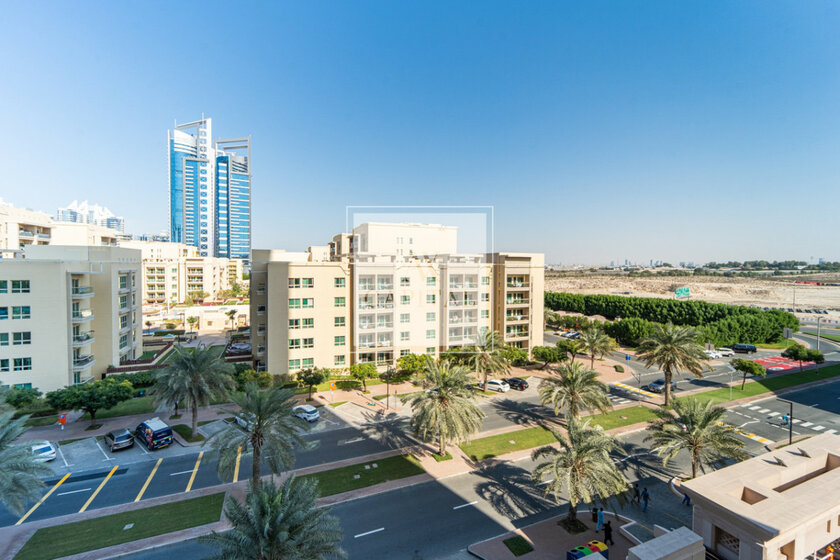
[(255, 468), (442, 445), (194, 419), (572, 511), (592, 362), (667, 373), (693, 465)]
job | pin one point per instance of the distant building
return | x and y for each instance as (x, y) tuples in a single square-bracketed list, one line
[(84, 213)]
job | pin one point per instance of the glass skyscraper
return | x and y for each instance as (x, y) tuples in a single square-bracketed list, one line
[(210, 191)]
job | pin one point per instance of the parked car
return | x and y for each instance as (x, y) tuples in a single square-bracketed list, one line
[(745, 348), (497, 385), (306, 412), (517, 383), (154, 433), (119, 439), (725, 352), (658, 386), (711, 354), (243, 422), (43, 451)]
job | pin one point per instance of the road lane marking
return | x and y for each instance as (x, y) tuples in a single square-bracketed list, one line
[(369, 533), (634, 389), (754, 407), (148, 480), (195, 470), (772, 414), (818, 428), (466, 505), (98, 488), (182, 472), (831, 431), (796, 420), (348, 441), (103, 452), (739, 431), (62, 457), (41, 501), (806, 424), (236, 467), (546, 482), (764, 410), (72, 492)]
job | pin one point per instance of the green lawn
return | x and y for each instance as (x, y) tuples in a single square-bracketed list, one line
[(186, 432), (834, 337), (340, 480), (518, 545), (775, 345), (93, 534), (753, 388), (337, 403), (492, 446), (623, 417), (139, 405), (42, 421), (147, 355)]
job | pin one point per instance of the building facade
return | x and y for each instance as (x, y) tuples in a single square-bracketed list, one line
[(210, 191), (385, 291), (84, 213), (67, 313), (21, 228)]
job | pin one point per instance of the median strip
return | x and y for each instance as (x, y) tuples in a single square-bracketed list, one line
[(770, 385), (354, 477)]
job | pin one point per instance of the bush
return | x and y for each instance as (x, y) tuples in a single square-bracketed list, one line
[(138, 379), (619, 369), (261, 378), (173, 330), (283, 380), (38, 409), (19, 397), (170, 326), (516, 356)]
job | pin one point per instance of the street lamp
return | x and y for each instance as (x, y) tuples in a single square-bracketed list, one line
[(790, 421), (388, 373)]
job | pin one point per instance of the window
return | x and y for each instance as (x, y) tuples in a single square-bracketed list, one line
[(430, 316), (308, 342), (294, 343), (4, 339), (19, 338), (308, 303), (339, 301), (405, 300), (339, 360), (339, 283), (294, 364), (339, 321), (485, 313), (430, 298), (294, 323), (294, 303), (430, 334), (4, 365), (404, 336), (431, 281), (307, 282), (430, 350), (4, 287), (22, 364), (405, 282), (123, 321), (339, 341), (123, 341), (405, 317), (485, 297), (123, 282), (404, 352), (21, 312), (294, 282), (4, 313), (308, 362), (123, 302), (485, 280), (309, 323), (20, 286)]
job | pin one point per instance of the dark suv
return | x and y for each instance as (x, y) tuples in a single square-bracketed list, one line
[(154, 433), (517, 383), (119, 439)]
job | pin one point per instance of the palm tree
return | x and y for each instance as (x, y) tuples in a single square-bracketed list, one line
[(19, 482), (445, 409), (232, 317), (581, 466), (486, 355), (573, 387), (192, 320), (672, 349), (278, 524), (597, 344), (695, 427), (270, 431), (196, 376)]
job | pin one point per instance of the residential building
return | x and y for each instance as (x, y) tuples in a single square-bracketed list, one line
[(210, 191), (783, 504), (174, 271), (384, 291), (67, 313), (84, 213)]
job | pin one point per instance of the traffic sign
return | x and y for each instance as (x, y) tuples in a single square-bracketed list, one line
[(332, 385), (627, 357), (788, 333), (683, 292)]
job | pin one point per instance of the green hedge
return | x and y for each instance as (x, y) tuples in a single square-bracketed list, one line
[(165, 332)]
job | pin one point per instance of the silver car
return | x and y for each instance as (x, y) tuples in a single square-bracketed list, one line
[(43, 451)]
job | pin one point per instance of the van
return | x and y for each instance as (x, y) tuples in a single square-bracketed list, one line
[(744, 349), (154, 433)]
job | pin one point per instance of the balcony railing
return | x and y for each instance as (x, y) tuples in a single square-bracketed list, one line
[(472, 286), (455, 285), (43, 235), (26, 234), (518, 285), (384, 306), (82, 362), (367, 326), (80, 316), (83, 338), (385, 325), (517, 302), (81, 291)]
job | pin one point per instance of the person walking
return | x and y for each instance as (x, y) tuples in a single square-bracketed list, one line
[(600, 520), (785, 419), (686, 500), (636, 496), (608, 533), (645, 499)]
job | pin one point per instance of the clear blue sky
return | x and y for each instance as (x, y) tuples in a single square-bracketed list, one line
[(597, 130)]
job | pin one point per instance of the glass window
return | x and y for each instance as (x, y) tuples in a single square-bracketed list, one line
[(21, 312), (485, 297), (404, 352), (430, 334), (4, 339), (431, 281), (339, 341), (309, 323), (294, 343), (20, 286), (404, 336), (430, 350), (405, 281), (294, 303), (19, 338), (339, 283), (4, 313), (308, 362), (339, 321), (4, 287), (485, 280), (430, 298), (22, 364), (405, 317), (339, 301), (4, 365), (308, 342), (294, 364), (308, 303), (294, 323), (405, 300), (294, 282), (307, 282), (123, 282), (339, 360), (485, 313), (430, 316)]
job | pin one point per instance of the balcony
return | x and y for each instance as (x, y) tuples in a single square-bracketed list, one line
[(367, 326), (367, 344), (125, 289), (469, 302), (518, 285), (82, 380), (82, 362), (81, 292), (26, 234), (385, 325), (383, 306), (385, 288), (125, 329), (516, 335), (471, 286), (82, 316), (83, 339), (517, 302), (516, 318)]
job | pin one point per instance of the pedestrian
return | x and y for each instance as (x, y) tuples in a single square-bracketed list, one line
[(785, 419), (645, 499), (636, 494), (600, 520), (686, 500), (594, 516), (608, 533)]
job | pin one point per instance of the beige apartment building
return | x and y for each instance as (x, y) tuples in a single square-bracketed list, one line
[(385, 291), (20, 228), (173, 271), (67, 313)]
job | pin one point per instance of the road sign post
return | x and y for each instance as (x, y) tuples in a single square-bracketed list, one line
[(62, 420), (332, 388), (682, 293)]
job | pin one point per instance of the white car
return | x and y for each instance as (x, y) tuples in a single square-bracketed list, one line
[(497, 385), (725, 352), (244, 423), (306, 412), (43, 451), (711, 354)]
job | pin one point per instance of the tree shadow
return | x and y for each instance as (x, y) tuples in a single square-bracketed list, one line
[(643, 463), (390, 429), (509, 489), (520, 412)]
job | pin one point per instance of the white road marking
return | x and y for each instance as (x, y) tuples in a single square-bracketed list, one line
[(773, 414), (796, 420), (73, 492), (347, 441), (750, 422), (754, 407), (546, 482), (764, 411), (66, 464), (806, 424), (818, 428), (182, 472), (815, 406), (466, 505), (103, 452), (369, 533), (831, 431)]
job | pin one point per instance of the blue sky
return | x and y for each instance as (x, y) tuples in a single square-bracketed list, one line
[(599, 131)]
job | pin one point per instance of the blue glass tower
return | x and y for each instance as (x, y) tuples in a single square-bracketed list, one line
[(233, 198)]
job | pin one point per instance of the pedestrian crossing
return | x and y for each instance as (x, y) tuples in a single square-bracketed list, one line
[(618, 399), (796, 421), (746, 434), (626, 387)]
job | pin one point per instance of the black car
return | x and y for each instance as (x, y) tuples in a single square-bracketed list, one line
[(517, 383)]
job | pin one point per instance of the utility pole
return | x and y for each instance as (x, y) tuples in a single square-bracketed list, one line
[(790, 421)]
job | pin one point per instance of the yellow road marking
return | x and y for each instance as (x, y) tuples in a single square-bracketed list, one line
[(195, 470), (95, 492), (236, 468), (41, 501), (148, 480)]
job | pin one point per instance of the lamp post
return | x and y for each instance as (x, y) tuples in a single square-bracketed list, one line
[(790, 421), (819, 321), (388, 373)]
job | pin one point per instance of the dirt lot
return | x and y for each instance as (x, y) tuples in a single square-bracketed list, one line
[(739, 291)]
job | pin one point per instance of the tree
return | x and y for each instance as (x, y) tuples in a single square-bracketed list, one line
[(582, 466), (800, 354), (814, 356), (748, 367), (673, 349), (235, 289), (313, 376), (92, 396), (547, 355), (148, 324), (570, 348), (411, 364), (445, 409), (232, 317), (573, 387), (363, 372), (693, 427), (192, 320), (195, 376), (597, 344), (486, 355), (278, 523), (19, 482), (19, 397), (270, 431)]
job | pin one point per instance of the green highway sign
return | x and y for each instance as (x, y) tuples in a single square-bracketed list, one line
[(683, 292)]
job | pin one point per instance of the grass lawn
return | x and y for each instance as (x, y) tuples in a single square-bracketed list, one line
[(623, 417), (753, 388), (492, 446), (518, 545), (147, 355), (186, 432), (776, 345), (340, 480), (339, 403), (42, 421), (139, 405), (439, 458), (93, 534), (834, 337)]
